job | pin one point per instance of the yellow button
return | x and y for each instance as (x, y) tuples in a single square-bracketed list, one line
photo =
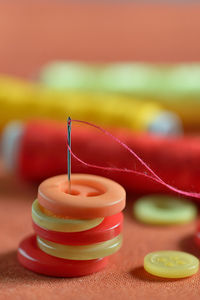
[(85, 252), (48, 220), (164, 210), (171, 264)]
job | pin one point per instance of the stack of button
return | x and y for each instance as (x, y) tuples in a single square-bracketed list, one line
[(76, 231)]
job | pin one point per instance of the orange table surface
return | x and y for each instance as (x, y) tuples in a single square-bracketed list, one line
[(124, 277)]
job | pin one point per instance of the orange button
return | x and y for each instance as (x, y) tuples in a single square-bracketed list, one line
[(91, 196)]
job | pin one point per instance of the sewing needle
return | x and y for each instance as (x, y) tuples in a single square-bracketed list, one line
[(69, 153)]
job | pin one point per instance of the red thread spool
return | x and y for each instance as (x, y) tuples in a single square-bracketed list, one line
[(42, 153)]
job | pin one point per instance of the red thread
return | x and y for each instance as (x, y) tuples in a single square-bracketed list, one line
[(176, 160), (155, 177)]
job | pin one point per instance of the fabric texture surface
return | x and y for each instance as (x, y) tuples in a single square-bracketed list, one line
[(124, 277)]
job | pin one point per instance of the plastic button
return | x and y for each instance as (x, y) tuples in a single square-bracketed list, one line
[(32, 258), (171, 264), (91, 196), (48, 220), (86, 252), (164, 210), (106, 230)]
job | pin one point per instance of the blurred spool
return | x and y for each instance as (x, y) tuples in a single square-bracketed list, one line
[(69, 75), (176, 87), (42, 154), (24, 101), (11, 143)]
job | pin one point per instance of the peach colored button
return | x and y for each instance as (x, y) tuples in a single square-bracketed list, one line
[(91, 196)]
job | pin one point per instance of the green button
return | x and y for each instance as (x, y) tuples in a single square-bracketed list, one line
[(164, 210)]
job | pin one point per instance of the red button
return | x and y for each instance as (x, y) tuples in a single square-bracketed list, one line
[(32, 258), (109, 228)]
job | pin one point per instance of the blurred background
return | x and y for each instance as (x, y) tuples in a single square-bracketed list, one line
[(130, 67), (36, 32)]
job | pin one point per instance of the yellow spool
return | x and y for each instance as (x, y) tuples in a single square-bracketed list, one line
[(23, 100), (174, 86)]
